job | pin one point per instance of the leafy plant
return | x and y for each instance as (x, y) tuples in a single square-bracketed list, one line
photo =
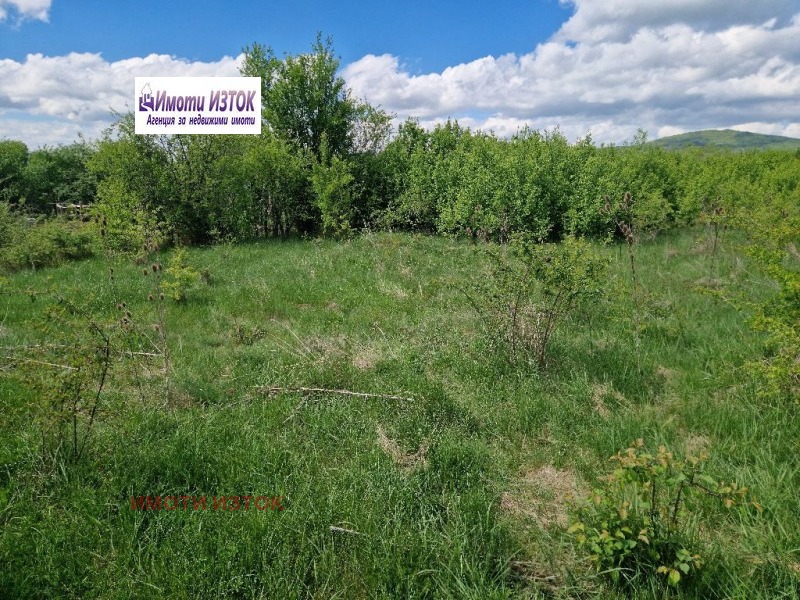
[(180, 276), (643, 520), (45, 244), (533, 287), (774, 247), (331, 181)]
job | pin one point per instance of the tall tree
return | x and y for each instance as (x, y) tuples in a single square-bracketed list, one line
[(304, 98)]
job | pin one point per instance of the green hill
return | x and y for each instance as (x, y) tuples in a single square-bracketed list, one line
[(729, 139)]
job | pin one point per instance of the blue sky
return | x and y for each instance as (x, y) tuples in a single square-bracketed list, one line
[(605, 67), (427, 35)]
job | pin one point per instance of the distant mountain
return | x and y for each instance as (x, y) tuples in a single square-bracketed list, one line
[(728, 139)]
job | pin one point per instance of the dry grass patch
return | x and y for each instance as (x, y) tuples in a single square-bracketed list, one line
[(665, 373), (392, 289), (542, 495), (697, 445), (602, 393), (366, 358), (407, 462)]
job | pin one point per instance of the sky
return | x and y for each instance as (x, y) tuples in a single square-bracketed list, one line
[(599, 67)]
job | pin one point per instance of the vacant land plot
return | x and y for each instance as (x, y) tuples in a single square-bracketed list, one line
[(369, 435)]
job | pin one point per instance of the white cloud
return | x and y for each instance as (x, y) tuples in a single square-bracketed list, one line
[(77, 92), (616, 65), (607, 20), (26, 9), (789, 130), (666, 74)]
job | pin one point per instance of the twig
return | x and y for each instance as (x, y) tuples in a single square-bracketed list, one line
[(39, 362), (106, 366), (32, 346), (335, 529), (272, 390)]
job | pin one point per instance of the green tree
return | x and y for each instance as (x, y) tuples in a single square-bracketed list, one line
[(331, 180), (13, 159), (59, 175), (303, 98)]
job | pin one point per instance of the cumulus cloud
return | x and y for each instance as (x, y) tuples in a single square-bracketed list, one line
[(604, 20), (25, 9), (616, 65), (675, 65), (77, 92)]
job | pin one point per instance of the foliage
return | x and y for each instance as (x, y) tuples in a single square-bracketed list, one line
[(180, 277), (532, 288), (13, 159), (45, 244), (305, 100), (643, 521), (268, 191), (59, 175), (331, 181), (12, 226), (774, 242)]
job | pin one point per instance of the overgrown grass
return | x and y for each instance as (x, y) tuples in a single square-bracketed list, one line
[(473, 515)]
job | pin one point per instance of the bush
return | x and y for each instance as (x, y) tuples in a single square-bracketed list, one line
[(47, 244), (532, 288), (643, 521), (774, 242), (12, 226)]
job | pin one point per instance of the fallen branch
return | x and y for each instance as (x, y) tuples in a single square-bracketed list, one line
[(335, 529), (272, 390), (130, 353), (39, 362)]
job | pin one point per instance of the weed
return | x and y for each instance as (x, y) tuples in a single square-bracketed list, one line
[(644, 519)]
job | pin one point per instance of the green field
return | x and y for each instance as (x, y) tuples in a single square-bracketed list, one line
[(453, 479)]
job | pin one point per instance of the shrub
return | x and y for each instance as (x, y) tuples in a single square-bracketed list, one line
[(643, 520), (12, 226), (774, 246), (533, 287), (48, 244)]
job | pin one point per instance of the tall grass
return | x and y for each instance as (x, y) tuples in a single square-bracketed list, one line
[(382, 314)]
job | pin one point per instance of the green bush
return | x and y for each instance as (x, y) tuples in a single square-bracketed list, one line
[(774, 240), (12, 226), (532, 288), (643, 521), (47, 244)]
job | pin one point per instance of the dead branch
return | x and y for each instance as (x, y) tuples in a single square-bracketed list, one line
[(39, 362), (272, 390), (335, 529)]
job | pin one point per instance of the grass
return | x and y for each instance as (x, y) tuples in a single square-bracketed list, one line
[(450, 492)]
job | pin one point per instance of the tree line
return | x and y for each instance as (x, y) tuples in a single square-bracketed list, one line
[(329, 163)]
